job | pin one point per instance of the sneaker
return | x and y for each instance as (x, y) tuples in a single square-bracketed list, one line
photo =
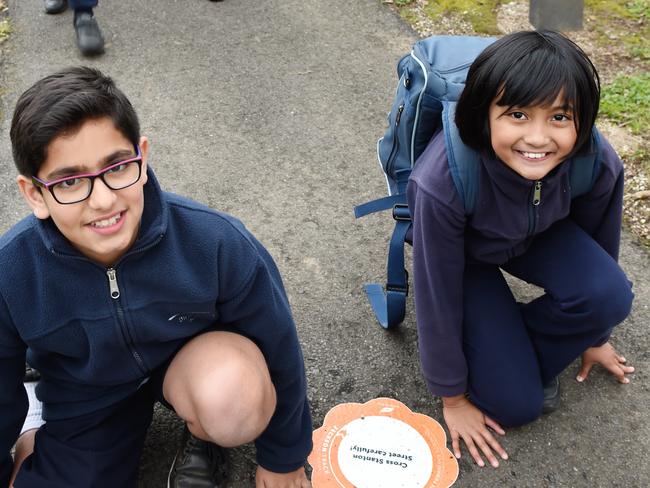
[(551, 396), (198, 464), (89, 38), (55, 6), (31, 375)]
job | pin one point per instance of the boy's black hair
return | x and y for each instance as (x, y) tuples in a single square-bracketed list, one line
[(523, 69), (60, 103)]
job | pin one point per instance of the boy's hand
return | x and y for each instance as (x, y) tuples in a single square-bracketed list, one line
[(268, 479), (465, 421), (607, 357)]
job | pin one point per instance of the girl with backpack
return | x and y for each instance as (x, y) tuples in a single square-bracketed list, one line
[(528, 107)]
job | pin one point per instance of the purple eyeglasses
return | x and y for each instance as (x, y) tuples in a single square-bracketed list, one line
[(77, 188)]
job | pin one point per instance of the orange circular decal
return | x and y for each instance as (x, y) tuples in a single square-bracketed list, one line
[(380, 444)]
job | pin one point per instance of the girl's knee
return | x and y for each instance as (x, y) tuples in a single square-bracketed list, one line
[(607, 302), (514, 410)]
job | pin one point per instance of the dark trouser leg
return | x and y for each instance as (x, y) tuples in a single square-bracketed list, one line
[(101, 449), (512, 350), (503, 370), (587, 295), (82, 4)]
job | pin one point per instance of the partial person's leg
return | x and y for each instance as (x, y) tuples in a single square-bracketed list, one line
[(503, 371), (82, 4), (89, 36), (101, 449), (220, 385), (587, 295), (33, 421)]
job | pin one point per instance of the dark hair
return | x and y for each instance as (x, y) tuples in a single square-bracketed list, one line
[(524, 69), (61, 103)]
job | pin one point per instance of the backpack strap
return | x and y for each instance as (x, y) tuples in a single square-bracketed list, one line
[(389, 304), (585, 169), (463, 160)]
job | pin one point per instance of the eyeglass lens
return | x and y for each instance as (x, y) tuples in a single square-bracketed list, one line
[(74, 190)]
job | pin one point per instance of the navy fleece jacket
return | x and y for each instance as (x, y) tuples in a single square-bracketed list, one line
[(189, 269), (502, 226)]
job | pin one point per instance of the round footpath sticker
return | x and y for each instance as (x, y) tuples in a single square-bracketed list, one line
[(381, 444)]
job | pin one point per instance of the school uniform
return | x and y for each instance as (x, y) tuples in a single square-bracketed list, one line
[(102, 338), (473, 335)]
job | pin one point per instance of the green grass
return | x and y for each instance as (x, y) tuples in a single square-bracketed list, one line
[(481, 14), (628, 20), (5, 29), (627, 102)]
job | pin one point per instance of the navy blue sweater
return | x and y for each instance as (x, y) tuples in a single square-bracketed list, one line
[(189, 269), (501, 227)]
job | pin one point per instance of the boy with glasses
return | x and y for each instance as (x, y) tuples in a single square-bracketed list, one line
[(121, 294)]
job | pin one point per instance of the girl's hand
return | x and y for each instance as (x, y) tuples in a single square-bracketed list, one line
[(465, 421), (268, 479), (607, 357)]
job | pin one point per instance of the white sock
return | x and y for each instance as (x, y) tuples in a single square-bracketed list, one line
[(34, 417)]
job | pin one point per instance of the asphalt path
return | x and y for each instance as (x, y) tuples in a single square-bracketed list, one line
[(270, 110)]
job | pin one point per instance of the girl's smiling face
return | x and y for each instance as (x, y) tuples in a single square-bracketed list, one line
[(532, 140)]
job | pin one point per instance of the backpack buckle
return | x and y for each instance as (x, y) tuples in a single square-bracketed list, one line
[(402, 289), (401, 212)]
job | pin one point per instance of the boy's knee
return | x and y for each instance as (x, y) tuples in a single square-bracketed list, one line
[(234, 403)]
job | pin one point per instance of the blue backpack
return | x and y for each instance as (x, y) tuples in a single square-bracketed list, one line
[(431, 79)]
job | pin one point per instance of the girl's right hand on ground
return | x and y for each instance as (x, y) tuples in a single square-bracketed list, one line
[(465, 421)]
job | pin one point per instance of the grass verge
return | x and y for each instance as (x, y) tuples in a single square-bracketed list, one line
[(626, 102)]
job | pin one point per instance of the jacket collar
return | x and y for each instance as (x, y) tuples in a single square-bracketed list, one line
[(509, 180), (152, 226)]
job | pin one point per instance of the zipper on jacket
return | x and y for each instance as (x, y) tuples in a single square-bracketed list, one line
[(537, 193), (394, 149), (112, 283), (533, 213), (115, 294)]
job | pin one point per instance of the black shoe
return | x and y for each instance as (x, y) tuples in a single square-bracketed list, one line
[(55, 6), (551, 396), (31, 374), (198, 464), (89, 37)]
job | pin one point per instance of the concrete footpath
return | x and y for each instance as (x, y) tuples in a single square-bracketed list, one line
[(270, 110)]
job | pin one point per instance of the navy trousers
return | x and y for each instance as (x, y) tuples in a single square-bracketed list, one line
[(100, 450), (513, 349), (82, 4)]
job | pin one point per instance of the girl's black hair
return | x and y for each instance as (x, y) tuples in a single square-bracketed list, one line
[(524, 69), (61, 103)]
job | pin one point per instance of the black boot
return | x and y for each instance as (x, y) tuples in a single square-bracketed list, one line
[(55, 6), (551, 396), (198, 464), (89, 37)]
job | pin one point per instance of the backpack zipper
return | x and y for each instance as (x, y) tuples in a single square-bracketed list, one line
[(394, 149)]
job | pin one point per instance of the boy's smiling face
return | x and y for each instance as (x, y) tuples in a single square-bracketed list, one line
[(105, 225)]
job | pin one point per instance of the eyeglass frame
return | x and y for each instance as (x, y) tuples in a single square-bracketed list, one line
[(92, 176)]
